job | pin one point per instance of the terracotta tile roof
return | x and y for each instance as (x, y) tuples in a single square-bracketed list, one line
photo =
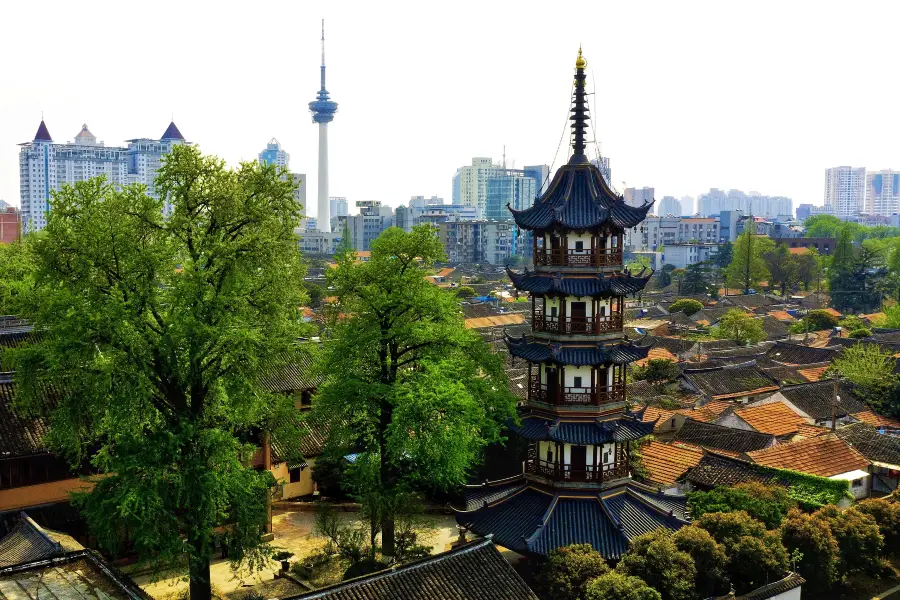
[(445, 272), (707, 413), (867, 416), (808, 431), (825, 456), (781, 315), (665, 463), (775, 418), (657, 354), (831, 311), (493, 321), (797, 250), (654, 413), (814, 373), (869, 317)]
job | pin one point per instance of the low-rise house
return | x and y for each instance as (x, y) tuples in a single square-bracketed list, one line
[(881, 447), (789, 587), (825, 456), (739, 383), (816, 402), (473, 571), (797, 355), (775, 418), (724, 439), (664, 464)]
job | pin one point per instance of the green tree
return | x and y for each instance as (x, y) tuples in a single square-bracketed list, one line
[(345, 246), (739, 326), (709, 560), (696, 279), (616, 586), (315, 293), (858, 538), (854, 277), (465, 292), (755, 561), (748, 268), (724, 255), (158, 373), (891, 284), (16, 276), (767, 503), (815, 320), (728, 528), (688, 306), (871, 370), (419, 393), (782, 268), (818, 549), (568, 569), (823, 226), (658, 371), (665, 275), (656, 559), (809, 268), (887, 516)]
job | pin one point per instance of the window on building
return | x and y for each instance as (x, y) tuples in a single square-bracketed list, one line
[(579, 246), (295, 474), (857, 483), (576, 381)]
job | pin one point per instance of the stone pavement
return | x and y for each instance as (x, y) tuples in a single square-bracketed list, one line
[(293, 532)]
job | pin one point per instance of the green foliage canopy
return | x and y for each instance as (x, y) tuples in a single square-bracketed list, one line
[(739, 326), (568, 570), (767, 503), (656, 559), (616, 586), (688, 306), (820, 552), (748, 268)]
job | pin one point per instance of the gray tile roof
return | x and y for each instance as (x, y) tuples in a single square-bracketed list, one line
[(714, 470), (474, 571), (815, 399), (877, 444), (25, 543), (729, 380), (709, 435)]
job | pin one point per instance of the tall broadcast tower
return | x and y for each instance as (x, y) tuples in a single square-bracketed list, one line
[(323, 110)]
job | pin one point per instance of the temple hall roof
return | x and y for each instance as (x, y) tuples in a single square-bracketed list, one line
[(579, 199), (589, 354), (554, 284), (533, 521)]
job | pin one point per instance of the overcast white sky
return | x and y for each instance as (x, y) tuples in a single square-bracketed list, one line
[(690, 95)]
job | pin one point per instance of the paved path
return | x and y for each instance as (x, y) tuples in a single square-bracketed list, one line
[(891, 594), (293, 532)]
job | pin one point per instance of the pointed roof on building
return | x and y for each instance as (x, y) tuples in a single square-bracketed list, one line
[(85, 132), (172, 133), (43, 134)]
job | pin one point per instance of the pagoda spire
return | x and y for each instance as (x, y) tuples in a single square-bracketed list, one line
[(579, 111)]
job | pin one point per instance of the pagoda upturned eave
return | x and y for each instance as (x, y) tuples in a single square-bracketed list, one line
[(599, 285), (594, 354), (578, 199)]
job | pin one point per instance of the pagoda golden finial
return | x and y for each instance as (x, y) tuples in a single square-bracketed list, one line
[(580, 63)]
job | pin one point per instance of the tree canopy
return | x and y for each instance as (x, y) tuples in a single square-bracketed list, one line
[(767, 503), (155, 331), (748, 268), (871, 370), (688, 306), (419, 395), (656, 559), (617, 586), (739, 326), (568, 570)]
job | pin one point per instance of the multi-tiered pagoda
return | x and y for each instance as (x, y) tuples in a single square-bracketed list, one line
[(576, 485)]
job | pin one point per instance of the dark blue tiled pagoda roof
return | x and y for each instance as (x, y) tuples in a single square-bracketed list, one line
[(594, 354), (597, 285), (533, 522), (578, 198), (582, 433)]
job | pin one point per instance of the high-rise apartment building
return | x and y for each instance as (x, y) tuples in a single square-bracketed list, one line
[(602, 165), (45, 166), (845, 191), (476, 241), (804, 211), (422, 201), (716, 200), (338, 206), (883, 192), (473, 182), (638, 196), (512, 187), (687, 205), (275, 155), (669, 206), (372, 220)]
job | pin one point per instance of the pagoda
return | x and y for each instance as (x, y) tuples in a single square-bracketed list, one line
[(579, 435)]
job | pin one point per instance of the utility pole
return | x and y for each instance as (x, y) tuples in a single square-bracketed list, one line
[(835, 399), (750, 232)]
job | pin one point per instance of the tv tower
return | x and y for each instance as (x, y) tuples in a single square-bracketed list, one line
[(323, 109)]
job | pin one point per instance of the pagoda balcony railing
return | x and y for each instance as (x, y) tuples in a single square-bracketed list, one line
[(572, 396), (567, 257), (590, 473), (575, 325)]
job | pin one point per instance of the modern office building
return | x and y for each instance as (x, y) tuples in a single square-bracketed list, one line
[(669, 206), (845, 191), (541, 176), (338, 207), (323, 109), (45, 166), (804, 211), (476, 241), (473, 182), (638, 196), (275, 155), (883, 192), (508, 187), (372, 220)]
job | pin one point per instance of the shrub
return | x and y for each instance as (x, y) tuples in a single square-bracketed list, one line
[(658, 561), (861, 333), (756, 561), (728, 528), (688, 306), (617, 586), (568, 569), (820, 319), (740, 327), (857, 536), (819, 550), (657, 371), (709, 560), (767, 503), (465, 292)]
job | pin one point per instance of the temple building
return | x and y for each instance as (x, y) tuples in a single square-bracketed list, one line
[(578, 433)]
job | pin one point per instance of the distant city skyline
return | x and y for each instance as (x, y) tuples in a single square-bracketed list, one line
[(778, 143)]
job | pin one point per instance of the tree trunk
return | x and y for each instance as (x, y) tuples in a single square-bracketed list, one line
[(388, 483), (200, 587)]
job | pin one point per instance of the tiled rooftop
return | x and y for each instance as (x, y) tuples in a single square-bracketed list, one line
[(709, 435), (665, 463), (731, 382), (775, 418), (825, 456)]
